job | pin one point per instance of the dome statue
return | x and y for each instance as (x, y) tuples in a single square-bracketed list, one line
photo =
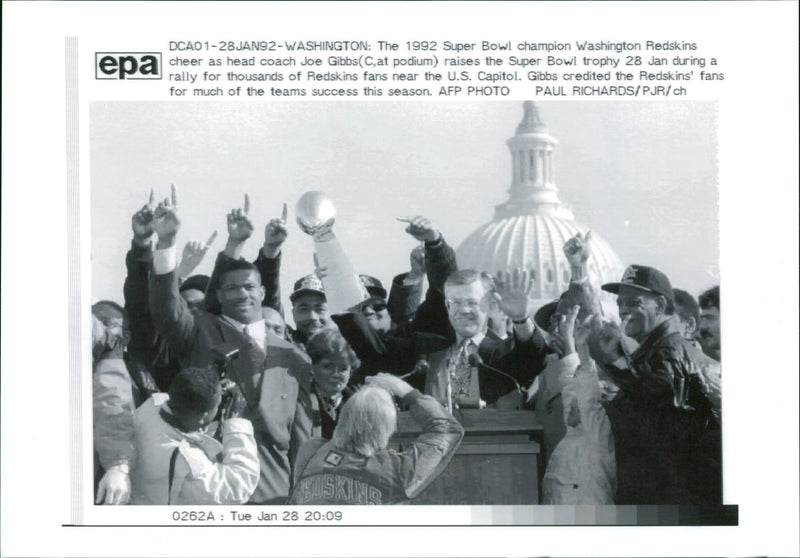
[(529, 230)]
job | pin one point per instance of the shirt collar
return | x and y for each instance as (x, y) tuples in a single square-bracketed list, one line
[(477, 339), (256, 329)]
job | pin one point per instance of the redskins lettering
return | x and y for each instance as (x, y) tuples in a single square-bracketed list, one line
[(336, 488)]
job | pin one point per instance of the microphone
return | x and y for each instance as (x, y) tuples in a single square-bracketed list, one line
[(476, 361), (421, 367)]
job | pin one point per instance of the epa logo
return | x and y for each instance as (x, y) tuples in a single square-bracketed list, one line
[(127, 65)]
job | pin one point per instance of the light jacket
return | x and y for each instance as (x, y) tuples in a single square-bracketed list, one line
[(198, 475)]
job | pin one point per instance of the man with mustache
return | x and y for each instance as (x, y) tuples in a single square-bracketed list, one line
[(708, 331), (451, 325)]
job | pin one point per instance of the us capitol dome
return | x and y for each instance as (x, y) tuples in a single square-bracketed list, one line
[(529, 230)]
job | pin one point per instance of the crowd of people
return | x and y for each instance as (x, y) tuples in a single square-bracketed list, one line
[(203, 393)]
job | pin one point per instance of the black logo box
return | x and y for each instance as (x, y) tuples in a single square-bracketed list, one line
[(127, 65)]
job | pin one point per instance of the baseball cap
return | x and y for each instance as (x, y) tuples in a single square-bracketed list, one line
[(308, 284), (374, 286), (646, 279), (542, 315)]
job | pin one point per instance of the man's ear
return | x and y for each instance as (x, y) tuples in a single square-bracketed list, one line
[(661, 304), (691, 327), (263, 292)]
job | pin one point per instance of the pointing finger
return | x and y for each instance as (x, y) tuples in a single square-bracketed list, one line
[(404, 219), (246, 203), (151, 202), (284, 213), (174, 194), (587, 238), (211, 239)]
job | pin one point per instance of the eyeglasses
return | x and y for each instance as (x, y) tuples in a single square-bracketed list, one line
[(459, 303), (373, 307)]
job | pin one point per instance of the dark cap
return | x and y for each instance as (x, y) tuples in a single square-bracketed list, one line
[(374, 286), (543, 314), (308, 284), (646, 279), (195, 282), (580, 294)]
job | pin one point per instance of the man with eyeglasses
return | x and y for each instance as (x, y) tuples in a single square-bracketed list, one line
[(450, 326), (375, 308)]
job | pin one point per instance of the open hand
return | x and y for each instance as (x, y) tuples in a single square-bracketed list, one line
[(513, 293), (193, 254)]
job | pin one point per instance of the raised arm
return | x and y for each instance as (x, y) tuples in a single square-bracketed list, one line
[(390, 353), (171, 316), (268, 261), (440, 263), (405, 294), (137, 264), (441, 435)]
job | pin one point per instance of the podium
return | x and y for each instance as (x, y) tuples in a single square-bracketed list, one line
[(499, 461)]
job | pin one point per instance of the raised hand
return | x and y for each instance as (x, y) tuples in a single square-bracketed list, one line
[(275, 234), (166, 220), (142, 221), (240, 228), (513, 294), (421, 228), (564, 336), (193, 254), (576, 249)]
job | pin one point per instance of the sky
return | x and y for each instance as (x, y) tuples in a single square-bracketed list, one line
[(643, 175)]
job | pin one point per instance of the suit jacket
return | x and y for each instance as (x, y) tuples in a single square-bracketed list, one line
[(150, 363), (273, 383), (523, 360)]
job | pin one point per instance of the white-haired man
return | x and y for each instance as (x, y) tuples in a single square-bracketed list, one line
[(356, 466)]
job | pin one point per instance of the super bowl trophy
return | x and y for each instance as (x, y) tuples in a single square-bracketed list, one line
[(343, 288)]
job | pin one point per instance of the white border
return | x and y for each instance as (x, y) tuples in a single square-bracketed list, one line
[(758, 149)]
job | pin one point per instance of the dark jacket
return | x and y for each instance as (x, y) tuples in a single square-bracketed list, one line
[(666, 437), (327, 475), (148, 358), (440, 263), (399, 355), (403, 302)]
